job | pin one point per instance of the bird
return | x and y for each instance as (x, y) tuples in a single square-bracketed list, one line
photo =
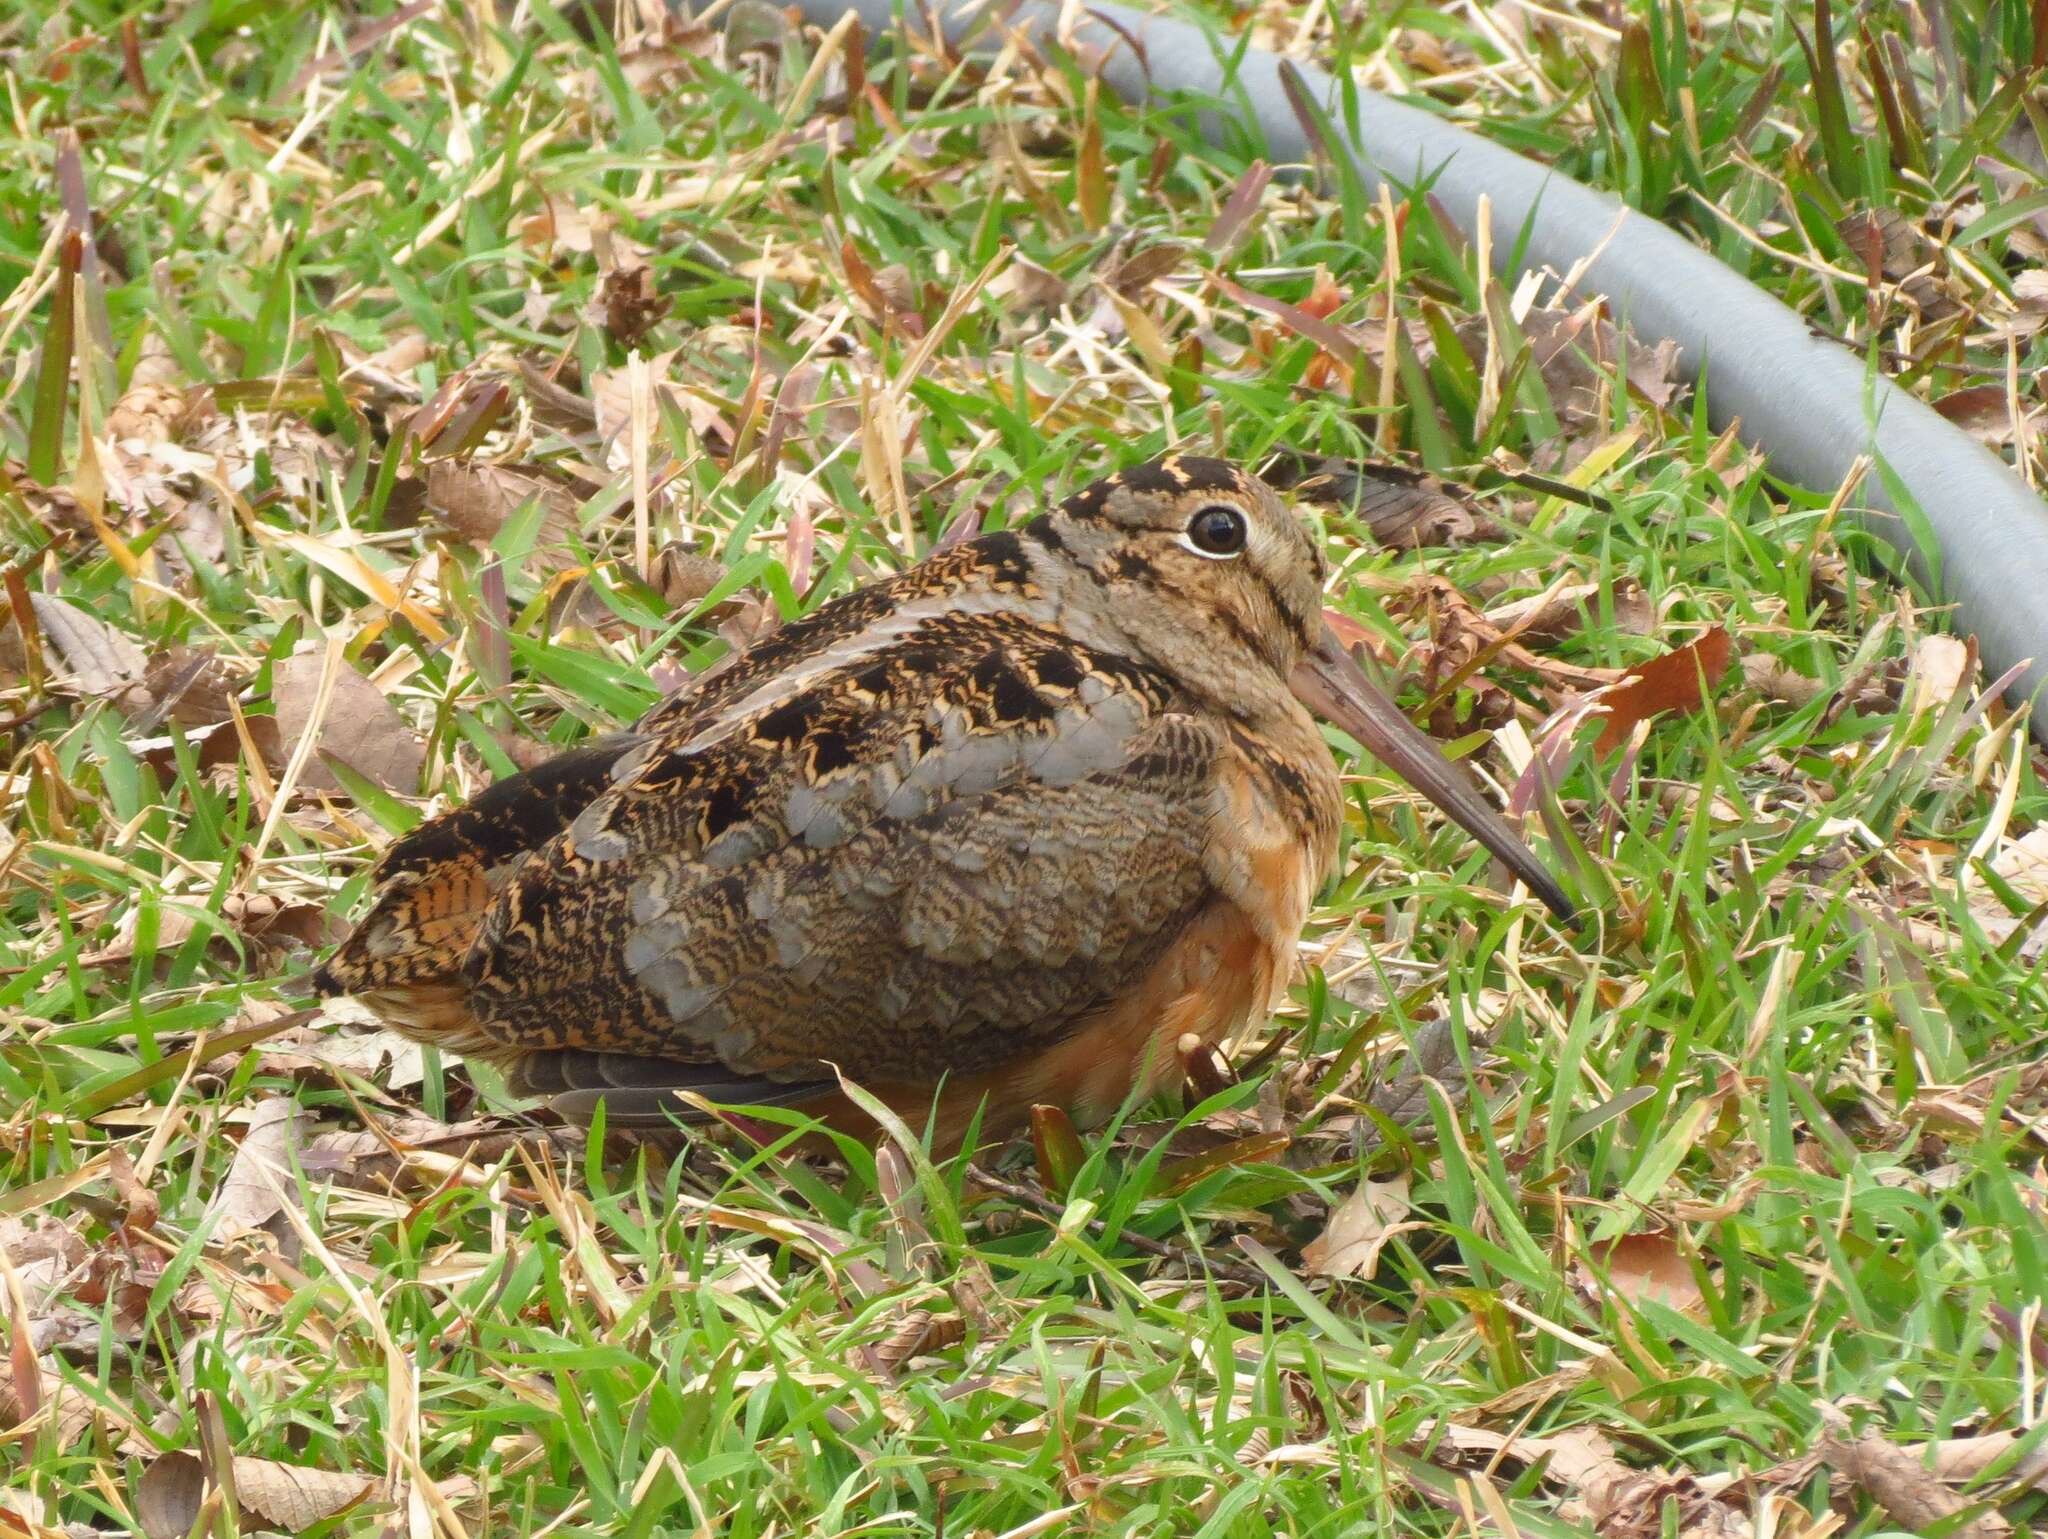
[(1021, 825)]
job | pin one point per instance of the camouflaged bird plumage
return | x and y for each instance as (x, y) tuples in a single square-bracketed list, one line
[(1020, 819)]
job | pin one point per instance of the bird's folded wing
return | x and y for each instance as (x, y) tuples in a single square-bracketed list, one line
[(935, 856)]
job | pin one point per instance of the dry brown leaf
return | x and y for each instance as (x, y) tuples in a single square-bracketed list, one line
[(2023, 865), (391, 371), (289, 449), (1359, 1227), (1899, 1481), (1958, 1460), (44, 1258), (289, 1497), (630, 304), (259, 917), (32, 1389), (1776, 679), (1240, 208), (1402, 509), (421, 1151), (151, 412), (1460, 634), (1148, 266), (260, 1181), (1894, 249), (472, 500), (1612, 1499), (391, 1061), (1673, 682), (682, 576), (1563, 612), (361, 729), (1644, 1267), (1942, 667), (1978, 409), (1577, 352), (611, 394), (95, 658), (567, 228), (190, 686), (653, 68), (918, 1332)]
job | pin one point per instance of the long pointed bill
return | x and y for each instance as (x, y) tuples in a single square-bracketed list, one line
[(1329, 683)]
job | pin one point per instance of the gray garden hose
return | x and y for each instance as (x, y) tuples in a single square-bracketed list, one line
[(1809, 404)]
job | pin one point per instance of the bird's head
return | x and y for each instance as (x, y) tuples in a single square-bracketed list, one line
[(1203, 570)]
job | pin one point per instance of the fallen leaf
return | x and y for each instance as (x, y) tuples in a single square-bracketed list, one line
[(151, 412), (380, 1055), (1977, 408), (1461, 638), (1341, 343), (1611, 1499), (1898, 1480), (473, 499), (43, 1257), (260, 1181), (260, 917), (1894, 249), (1238, 210), (285, 447), (1359, 1227), (2023, 865), (629, 304), (611, 394), (1643, 1267), (290, 1497), (916, 1333), (96, 658), (1578, 353), (361, 729), (1402, 509), (1563, 611), (1677, 681), (682, 576), (33, 1389), (190, 686), (1942, 666), (454, 422), (422, 1152), (578, 231), (1958, 1460), (1776, 679), (1145, 267)]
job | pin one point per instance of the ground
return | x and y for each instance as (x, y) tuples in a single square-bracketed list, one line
[(393, 393)]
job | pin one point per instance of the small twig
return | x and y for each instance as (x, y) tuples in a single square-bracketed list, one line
[(1039, 1203)]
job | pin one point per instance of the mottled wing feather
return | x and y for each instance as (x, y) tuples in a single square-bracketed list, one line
[(993, 568), (953, 941), (943, 854), (434, 883)]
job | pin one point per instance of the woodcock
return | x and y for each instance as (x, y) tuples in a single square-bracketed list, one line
[(1009, 828)]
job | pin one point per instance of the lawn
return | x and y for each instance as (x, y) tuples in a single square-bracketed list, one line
[(391, 394)]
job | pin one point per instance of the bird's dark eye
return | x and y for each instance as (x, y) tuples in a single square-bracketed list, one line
[(1217, 529)]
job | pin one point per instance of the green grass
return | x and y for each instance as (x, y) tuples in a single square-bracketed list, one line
[(1754, 1157)]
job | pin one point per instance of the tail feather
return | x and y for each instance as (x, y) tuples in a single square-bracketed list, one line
[(407, 959), (641, 1091)]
